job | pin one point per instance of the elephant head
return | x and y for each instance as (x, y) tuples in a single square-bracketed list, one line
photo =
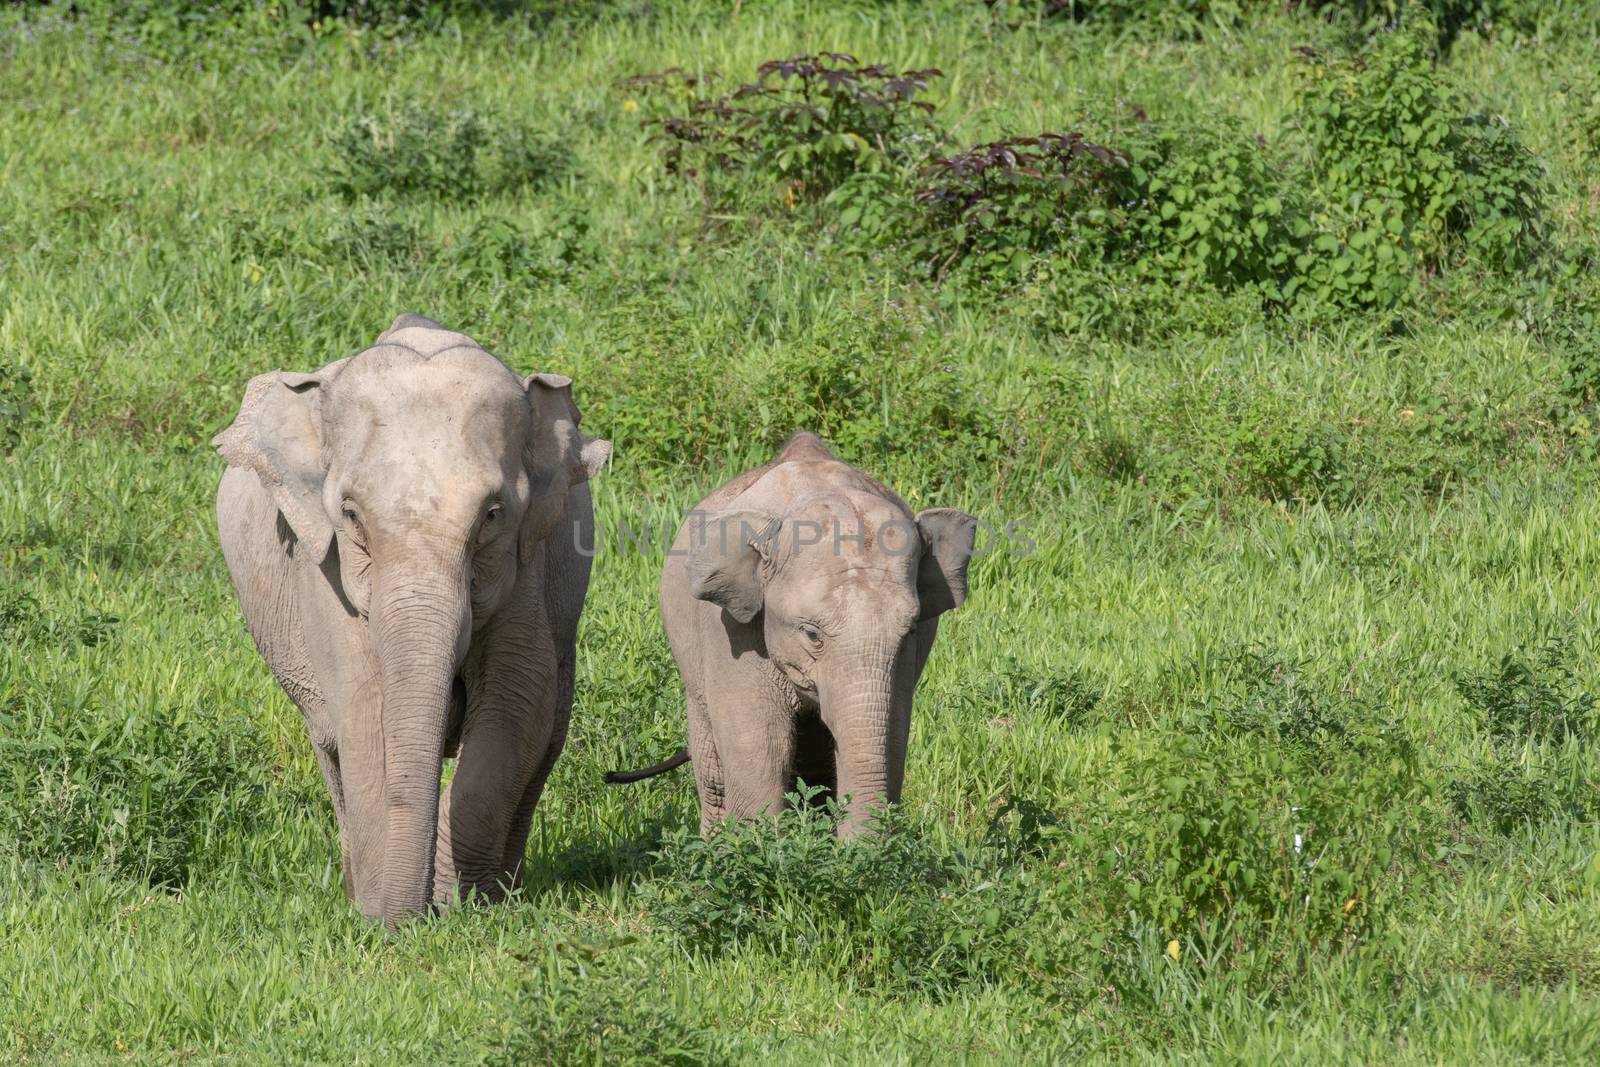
[(847, 588), (419, 477)]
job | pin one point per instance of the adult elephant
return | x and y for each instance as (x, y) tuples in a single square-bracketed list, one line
[(404, 530)]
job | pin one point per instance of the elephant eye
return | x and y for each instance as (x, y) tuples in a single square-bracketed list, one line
[(491, 523), (810, 634), (351, 516)]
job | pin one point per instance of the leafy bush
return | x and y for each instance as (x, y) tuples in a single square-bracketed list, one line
[(997, 209), (1119, 227), (581, 1005), (1068, 698), (1539, 720), (1537, 696), (893, 912), (1266, 804), (371, 238), (1267, 694), (1571, 331), (658, 401), (1450, 17), (1214, 209), (500, 250), (875, 394), (16, 395), (1119, 236), (1505, 794), (421, 151), (1290, 461), (1442, 439), (1406, 180), (809, 122), (23, 621)]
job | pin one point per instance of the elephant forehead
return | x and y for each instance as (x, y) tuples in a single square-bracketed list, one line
[(848, 574), (868, 599), (855, 529), (461, 390), (463, 378)]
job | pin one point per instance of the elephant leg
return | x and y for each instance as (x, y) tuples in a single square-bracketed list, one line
[(506, 741), (755, 737), (491, 794), (522, 819), (709, 780)]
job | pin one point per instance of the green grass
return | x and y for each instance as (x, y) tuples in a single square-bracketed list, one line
[(1378, 509)]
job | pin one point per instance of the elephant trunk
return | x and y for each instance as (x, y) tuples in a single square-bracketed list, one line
[(869, 724), (422, 626)]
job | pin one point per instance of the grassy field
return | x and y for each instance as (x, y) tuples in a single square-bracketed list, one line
[(1279, 746)]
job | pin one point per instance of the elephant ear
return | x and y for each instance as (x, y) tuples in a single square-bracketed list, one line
[(278, 435), (947, 539), (728, 557), (556, 456)]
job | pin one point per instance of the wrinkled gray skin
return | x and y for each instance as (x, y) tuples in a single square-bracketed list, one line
[(402, 528), (800, 640)]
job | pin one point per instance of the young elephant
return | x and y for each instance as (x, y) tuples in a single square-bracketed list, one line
[(403, 530), (801, 600)]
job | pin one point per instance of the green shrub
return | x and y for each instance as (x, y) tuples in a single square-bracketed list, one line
[(1450, 17), (497, 250), (1406, 180), (1069, 698), (1537, 696), (151, 791), (1214, 209), (23, 621), (415, 150), (1539, 720), (1441, 440), (143, 788), (1266, 694), (876, 395), (660, 401), (16, 402), (371, 239), (894, 912), (999, 210), (1571, 330), (581, 1005), (1121, 229), (1133, 236), (1266, 805), (1290, 461), (1505, 794), (807, 124)]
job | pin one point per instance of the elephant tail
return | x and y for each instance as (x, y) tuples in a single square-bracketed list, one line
[(677, 759)]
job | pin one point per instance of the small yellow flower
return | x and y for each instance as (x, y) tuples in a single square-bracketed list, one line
[(1406, 415), (1350, 905), (1173, 950), (630, 105)]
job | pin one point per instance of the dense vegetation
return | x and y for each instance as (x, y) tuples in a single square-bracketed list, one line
[(1269, 735)]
